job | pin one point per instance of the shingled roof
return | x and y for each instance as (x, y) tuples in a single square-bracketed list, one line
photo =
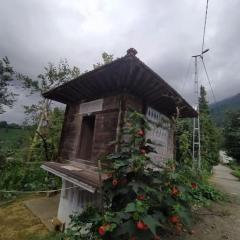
[(123, 75)]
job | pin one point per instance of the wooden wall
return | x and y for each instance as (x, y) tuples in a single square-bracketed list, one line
[(104, 132), (106, 122), (105, 127)]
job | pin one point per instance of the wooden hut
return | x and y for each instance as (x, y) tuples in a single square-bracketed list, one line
[(95, 105)]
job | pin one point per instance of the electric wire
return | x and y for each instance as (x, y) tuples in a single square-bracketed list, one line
[(209, 80), (204, 28), (203, 42)]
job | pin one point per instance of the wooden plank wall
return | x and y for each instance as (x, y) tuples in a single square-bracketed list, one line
[(104, 132), (105, 127), (106, 122), (70, 132)]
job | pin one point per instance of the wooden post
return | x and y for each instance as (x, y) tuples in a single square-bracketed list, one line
[(100, 182), (118, 131)]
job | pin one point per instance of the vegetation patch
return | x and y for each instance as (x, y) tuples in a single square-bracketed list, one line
[(140, 200), (17, 222)]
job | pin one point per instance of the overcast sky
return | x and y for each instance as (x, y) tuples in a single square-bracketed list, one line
[(164, 32)]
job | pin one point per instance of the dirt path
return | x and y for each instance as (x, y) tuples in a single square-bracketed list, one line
[(221, 221), (223, 179)]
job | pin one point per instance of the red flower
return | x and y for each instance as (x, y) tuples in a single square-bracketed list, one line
[(102, 230), (142, 151), (175, 191), (157, 237), (141, 225), (174, 219), (114, 182), (194, 185), (133, 238), (140, 133), (141, 197)]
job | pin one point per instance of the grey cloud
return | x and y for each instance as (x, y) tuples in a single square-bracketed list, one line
[(165, 33)]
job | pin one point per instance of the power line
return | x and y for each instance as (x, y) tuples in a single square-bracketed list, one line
[(204, 28), (203, 41), (209, 80)]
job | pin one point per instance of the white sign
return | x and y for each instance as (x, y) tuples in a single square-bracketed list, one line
[(93, 106), (161, 136)]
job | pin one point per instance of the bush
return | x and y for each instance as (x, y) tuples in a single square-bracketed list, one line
[(16, 175), (139, 202)]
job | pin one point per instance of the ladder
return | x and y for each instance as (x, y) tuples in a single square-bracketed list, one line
[(196, 147)]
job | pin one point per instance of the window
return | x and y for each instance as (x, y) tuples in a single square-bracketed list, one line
[(86, 138)]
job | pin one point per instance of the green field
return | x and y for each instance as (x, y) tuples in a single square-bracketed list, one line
[(13, 138)]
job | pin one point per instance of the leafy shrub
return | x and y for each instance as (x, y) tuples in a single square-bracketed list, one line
[(140, 202), (16, 175)]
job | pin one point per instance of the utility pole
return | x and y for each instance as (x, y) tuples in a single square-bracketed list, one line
[(196, 144)]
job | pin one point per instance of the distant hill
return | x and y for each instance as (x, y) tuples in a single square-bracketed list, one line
[(219, 109)]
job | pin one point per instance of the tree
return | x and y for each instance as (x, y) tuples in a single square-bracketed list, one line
[(210, 137), (209, 134), (107, 58), (40, 114), (3, 124), (184, 142), (232, 135), (7, 97)]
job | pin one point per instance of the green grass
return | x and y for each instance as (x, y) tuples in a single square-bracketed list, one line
[(236, 173), (13, 138), (236, 169), (50, 236)]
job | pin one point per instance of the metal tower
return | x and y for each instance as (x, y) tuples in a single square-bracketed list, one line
[(196, 148)]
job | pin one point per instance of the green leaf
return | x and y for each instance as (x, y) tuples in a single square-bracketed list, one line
[(152, 223), (127, 227), (131, 207)]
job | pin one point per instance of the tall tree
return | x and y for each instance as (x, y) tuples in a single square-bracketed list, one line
[(232, 135), (209, 137), (184, 142), (7, 97), (209, 133), (40, 113)]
